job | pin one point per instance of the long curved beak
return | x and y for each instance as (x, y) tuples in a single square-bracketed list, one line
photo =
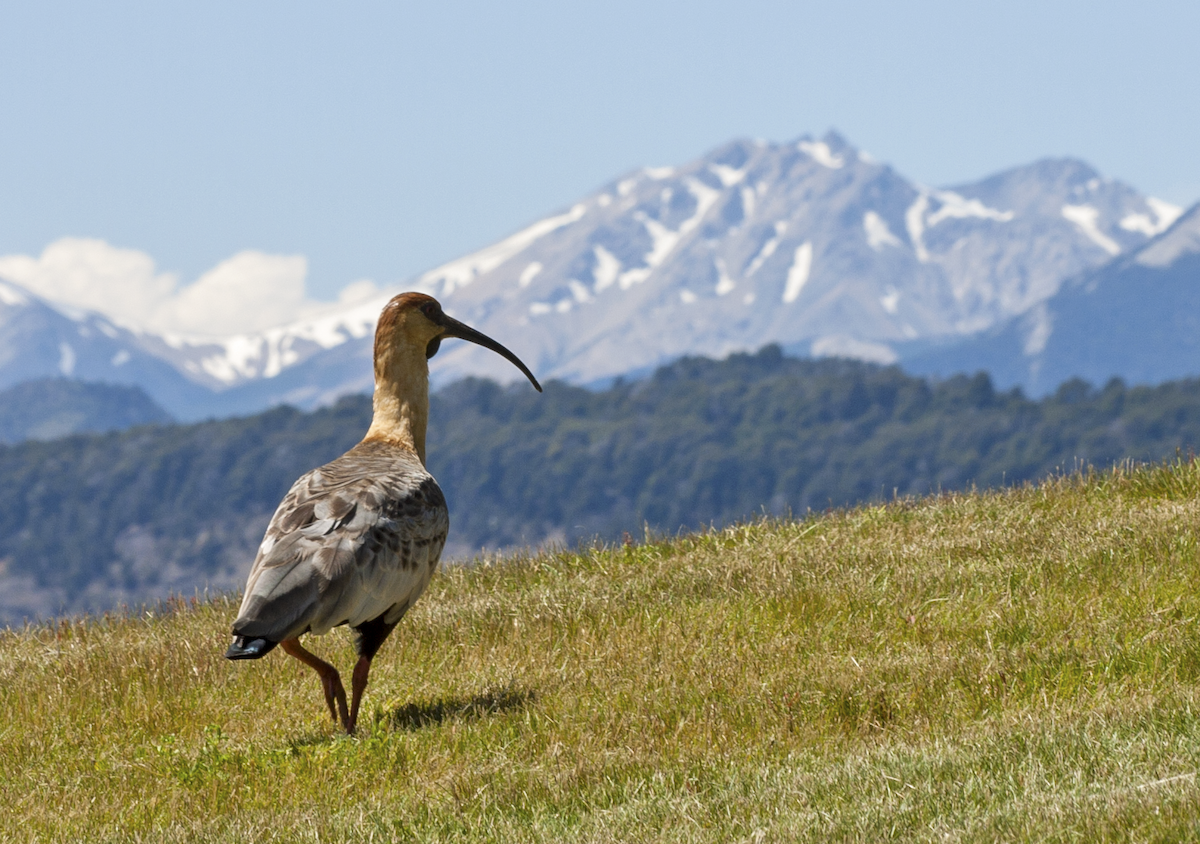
[(454, 328)]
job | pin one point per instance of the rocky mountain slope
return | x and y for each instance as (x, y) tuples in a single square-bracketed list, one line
[(1136, 318), (812, 245)]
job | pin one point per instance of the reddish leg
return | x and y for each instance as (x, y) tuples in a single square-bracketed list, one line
[(358, 685), (331, 681)]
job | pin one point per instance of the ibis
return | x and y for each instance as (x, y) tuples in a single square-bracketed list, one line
[(356, 541)]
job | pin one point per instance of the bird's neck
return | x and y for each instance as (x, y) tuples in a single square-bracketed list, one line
[(401, 400)]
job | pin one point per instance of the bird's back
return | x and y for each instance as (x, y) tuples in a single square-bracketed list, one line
[(354, 540)]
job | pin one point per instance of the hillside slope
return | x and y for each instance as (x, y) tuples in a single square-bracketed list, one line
[(1009, 666), (48, 408)]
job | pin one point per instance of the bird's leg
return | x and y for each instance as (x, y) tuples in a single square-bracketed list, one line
[(367, 639), (331, 681), (358, 684)]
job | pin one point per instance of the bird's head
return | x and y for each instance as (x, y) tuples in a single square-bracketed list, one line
[(414, 321)]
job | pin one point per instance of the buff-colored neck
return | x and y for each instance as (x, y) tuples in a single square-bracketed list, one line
[(401, 399)]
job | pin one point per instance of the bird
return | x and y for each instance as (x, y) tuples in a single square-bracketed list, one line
[(355, 541)]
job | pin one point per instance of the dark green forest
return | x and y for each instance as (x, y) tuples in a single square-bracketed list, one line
[(700, 442)]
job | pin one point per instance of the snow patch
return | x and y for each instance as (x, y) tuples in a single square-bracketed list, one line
[(951, 206), (749, 198), (729, 176), (890, 300), (66, 359), (529, 274), (121, 358), (878, 233), (914, 221), (724, 283), (664, 240), (1182, 239), (579, 291), (706, 198), (659, 173), (768, 249), (958, 207), (1165, 216), (1166, 212), (608, 267), (463, 271), (1085, 217), (265, 354), (820, 152), (798, 272), (687, 296), (539, 308), (1041, 325)]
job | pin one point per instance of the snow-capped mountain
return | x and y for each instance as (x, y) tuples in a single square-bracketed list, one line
[(40, 340), (811, 244), (1137, 318)]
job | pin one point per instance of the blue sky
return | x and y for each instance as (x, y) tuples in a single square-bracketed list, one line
[(381, 139)]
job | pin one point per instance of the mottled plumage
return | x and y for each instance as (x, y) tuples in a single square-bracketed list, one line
[(355, 541)]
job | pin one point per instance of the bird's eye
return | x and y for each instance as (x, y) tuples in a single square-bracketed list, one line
[(430, 309)]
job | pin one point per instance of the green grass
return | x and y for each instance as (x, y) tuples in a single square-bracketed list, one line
[(1015, 665)]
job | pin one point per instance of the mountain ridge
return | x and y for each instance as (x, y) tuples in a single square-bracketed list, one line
[(1133, 318), (811, 244)]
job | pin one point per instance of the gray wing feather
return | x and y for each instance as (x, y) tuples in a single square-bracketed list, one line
[(357, 537)]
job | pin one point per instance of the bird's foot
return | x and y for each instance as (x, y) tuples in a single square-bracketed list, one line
[(335, 698)]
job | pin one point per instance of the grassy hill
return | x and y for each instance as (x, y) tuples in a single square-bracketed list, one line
[(1012, 665)]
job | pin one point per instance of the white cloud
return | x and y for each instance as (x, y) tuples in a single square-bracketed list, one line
[(87, 273), (250, 291), (357, 291)]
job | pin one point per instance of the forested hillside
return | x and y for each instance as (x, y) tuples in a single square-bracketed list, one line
[(88, 521), (47, 408)]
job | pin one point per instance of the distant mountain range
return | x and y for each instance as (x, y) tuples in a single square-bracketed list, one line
[(810, 244)]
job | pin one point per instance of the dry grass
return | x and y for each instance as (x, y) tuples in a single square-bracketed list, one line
[(1021, 665)]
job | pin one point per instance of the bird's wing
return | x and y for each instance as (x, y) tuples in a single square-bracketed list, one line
[(353, 537)]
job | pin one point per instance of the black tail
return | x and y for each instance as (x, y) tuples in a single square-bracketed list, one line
[(244, 647)]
